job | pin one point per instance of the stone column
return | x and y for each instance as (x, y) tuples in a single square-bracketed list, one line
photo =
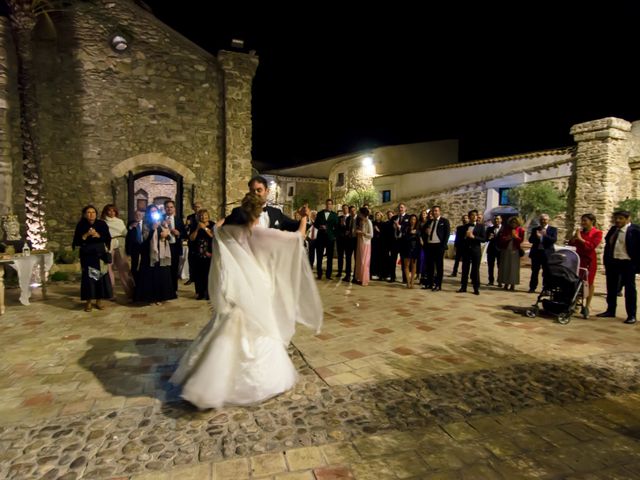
[(238, 72), (603, 177)]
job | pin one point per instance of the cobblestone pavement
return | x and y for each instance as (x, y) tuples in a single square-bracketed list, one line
[(400, 384)]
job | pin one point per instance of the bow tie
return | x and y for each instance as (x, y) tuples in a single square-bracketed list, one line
[(264, 209)]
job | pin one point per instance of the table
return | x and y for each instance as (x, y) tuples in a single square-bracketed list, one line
[(24, 266)]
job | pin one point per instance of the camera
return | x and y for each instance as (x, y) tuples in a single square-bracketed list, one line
[(156, 216)]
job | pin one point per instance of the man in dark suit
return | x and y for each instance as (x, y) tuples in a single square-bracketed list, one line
[(341, 237), (436, 238), (132, 243), (474, 236), (327, 224), (177, 233), (458, 243), (493, 252), (350, 244), (400, 225), (542, 240), (271, 217), (622, 262), (191, 226)]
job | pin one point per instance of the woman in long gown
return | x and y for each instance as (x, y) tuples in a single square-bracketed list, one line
[(260, 285), (364, 233), (509, 241), (93, 238)]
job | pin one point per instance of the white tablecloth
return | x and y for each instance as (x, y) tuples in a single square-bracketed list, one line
[(25, 267)]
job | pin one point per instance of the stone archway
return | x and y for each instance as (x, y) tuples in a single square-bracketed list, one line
[(127, 171), (152, 161)]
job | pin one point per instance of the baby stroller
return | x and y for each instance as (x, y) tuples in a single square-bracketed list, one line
[(564, 289)]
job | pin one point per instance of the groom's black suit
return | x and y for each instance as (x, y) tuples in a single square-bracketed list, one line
[(277, 219)]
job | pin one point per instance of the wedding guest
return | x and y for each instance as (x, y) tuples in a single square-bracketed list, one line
[(493, 250), (326, 222), (378, 259), (93, 239), (586, 240), (400, 222), (202, 238), (311, 238), (351, 243), (459, 244), (154, 280), (118, 232), (341, 237), (190, 226), (472, 253), (364, 233), (436, 242), (411, 249), (177, 232), (509, 239), (133, 242), (622, 261), (542, 240)]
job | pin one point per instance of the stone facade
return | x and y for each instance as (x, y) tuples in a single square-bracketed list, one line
[(10, 153), (155, 190), (603, 176), (286, 191), (163, 104)]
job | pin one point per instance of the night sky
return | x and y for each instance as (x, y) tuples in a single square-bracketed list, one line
[(503, 78)]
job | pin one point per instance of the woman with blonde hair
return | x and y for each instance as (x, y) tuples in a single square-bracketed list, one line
[(260, 285), (118, 231)]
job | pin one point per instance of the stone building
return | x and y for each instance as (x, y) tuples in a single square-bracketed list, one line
[(122, 97), (599, 171), (335, 177)]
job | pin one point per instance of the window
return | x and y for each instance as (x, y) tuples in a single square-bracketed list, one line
[(386, 196), (290, 192), (504, 196), (340, 180)]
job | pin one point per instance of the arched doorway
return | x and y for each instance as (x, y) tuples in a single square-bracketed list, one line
[(154, 187)]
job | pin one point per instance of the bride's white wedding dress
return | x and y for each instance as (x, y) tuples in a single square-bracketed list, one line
[(258, 280)]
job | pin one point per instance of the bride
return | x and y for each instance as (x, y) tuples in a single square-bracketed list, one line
[(260, 284)]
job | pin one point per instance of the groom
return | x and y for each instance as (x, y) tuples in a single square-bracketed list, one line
[(271, 217)]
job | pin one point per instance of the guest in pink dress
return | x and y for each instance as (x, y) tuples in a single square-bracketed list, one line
[(363, 257)]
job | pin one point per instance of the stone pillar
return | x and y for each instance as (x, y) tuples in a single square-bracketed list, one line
[(238, 72), (602, 174), (6, 167), (634, 159)]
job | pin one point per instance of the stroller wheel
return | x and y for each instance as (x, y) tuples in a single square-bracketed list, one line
[(532, 312), (564, 318)]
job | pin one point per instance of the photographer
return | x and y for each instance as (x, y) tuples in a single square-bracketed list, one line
[(93, 238), (202, 239), (155, 284)]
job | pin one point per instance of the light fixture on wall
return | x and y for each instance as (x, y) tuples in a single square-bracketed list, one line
[(367, 161), (119, 43)]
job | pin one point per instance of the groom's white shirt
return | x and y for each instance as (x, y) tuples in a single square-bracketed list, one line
[(264, 219)]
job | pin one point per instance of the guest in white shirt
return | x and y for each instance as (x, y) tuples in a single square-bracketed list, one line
[(118, 231)]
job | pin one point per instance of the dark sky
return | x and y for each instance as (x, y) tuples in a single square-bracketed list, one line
[(502, 77)]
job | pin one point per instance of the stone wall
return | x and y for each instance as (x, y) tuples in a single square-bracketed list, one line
[(238, 71), (154, 189), (161, 104), (11, 196), (312, 190), (454, 203), (603, 176)]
